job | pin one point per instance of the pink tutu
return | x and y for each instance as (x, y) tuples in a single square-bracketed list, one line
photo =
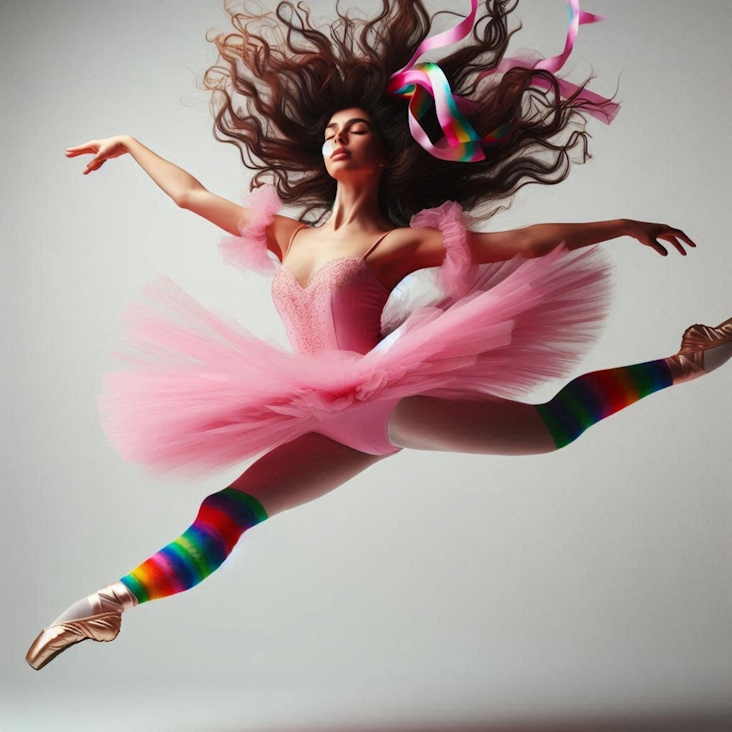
[(198, 393)]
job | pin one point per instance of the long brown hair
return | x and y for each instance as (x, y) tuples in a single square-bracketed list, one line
[(295, 81)]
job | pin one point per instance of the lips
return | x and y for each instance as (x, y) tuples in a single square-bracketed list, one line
[(340, 153)]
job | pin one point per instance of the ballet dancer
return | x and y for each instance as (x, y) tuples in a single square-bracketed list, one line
[(371, 371)]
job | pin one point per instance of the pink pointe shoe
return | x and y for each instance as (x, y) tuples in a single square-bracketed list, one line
[(703, 349), (102, 624)]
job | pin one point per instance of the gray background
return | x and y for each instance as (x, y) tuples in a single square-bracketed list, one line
[(435, 589)]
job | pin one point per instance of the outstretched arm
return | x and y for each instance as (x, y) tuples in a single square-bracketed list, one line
[(540, 239), (543, 238), (189, 193), (186, 191)]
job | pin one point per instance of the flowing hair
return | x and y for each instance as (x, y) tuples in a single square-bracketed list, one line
[(295, 81)]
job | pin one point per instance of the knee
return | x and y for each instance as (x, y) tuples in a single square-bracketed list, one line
[(560, 434), (245, 510)]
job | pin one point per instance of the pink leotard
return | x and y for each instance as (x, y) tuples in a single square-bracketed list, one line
[(339, 308)]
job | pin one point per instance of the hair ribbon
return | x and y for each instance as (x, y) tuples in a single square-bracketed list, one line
[(426, 84)]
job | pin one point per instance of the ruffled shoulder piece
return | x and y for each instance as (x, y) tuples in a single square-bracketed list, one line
[(458, 268), (249, 250)]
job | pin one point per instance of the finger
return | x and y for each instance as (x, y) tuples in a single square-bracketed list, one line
[(653, 244), (87, 147), (91, 166), (89, 151), (674, 241), (681, 235), (659, 248)]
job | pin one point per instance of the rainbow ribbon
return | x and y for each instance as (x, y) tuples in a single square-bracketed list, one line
[(425, 84)]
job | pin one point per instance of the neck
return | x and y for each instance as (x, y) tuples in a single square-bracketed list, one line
[(356, 208)]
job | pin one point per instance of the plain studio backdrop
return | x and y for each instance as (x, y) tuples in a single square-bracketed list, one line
[(434, 590)]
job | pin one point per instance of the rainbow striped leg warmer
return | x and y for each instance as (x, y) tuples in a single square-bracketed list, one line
[(586, 400), (202, 548)]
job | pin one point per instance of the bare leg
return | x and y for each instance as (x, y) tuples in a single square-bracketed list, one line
[(302, 470), (289, 475), (504, 427), (501, 427)]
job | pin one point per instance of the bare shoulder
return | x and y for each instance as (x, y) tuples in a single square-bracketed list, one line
[(405, 250), (279, 233)]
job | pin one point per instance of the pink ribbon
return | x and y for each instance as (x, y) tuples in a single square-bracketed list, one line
[(422, 82)]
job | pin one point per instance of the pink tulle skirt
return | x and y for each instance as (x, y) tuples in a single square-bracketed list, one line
[(193, 392)]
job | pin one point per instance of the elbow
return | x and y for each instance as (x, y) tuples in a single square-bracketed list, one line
[(534, 248), (530, 248), (181, 199)]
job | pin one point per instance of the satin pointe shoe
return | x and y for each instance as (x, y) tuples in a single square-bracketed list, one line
[(703, 349), (57, 638), (103, 624)]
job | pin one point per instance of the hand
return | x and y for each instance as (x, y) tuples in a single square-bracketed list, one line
[(649, 234), (110, 147)]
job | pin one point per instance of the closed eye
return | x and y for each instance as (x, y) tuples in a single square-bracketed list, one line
[(353, 133)]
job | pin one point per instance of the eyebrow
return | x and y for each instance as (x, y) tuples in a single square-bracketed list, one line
[(353, 119)]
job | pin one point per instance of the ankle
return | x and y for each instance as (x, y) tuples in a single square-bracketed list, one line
[(684, 368), (112, 598), (115, 597)]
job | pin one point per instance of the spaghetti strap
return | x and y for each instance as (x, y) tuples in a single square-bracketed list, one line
[(373, 246), (292, 236)]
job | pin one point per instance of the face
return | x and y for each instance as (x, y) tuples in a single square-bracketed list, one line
[(354, 131)]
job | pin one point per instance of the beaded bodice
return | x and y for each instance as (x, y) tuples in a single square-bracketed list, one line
[(342, 304), (339, 307)]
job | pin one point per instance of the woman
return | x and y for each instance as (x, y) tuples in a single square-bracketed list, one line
[(370, 374)]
